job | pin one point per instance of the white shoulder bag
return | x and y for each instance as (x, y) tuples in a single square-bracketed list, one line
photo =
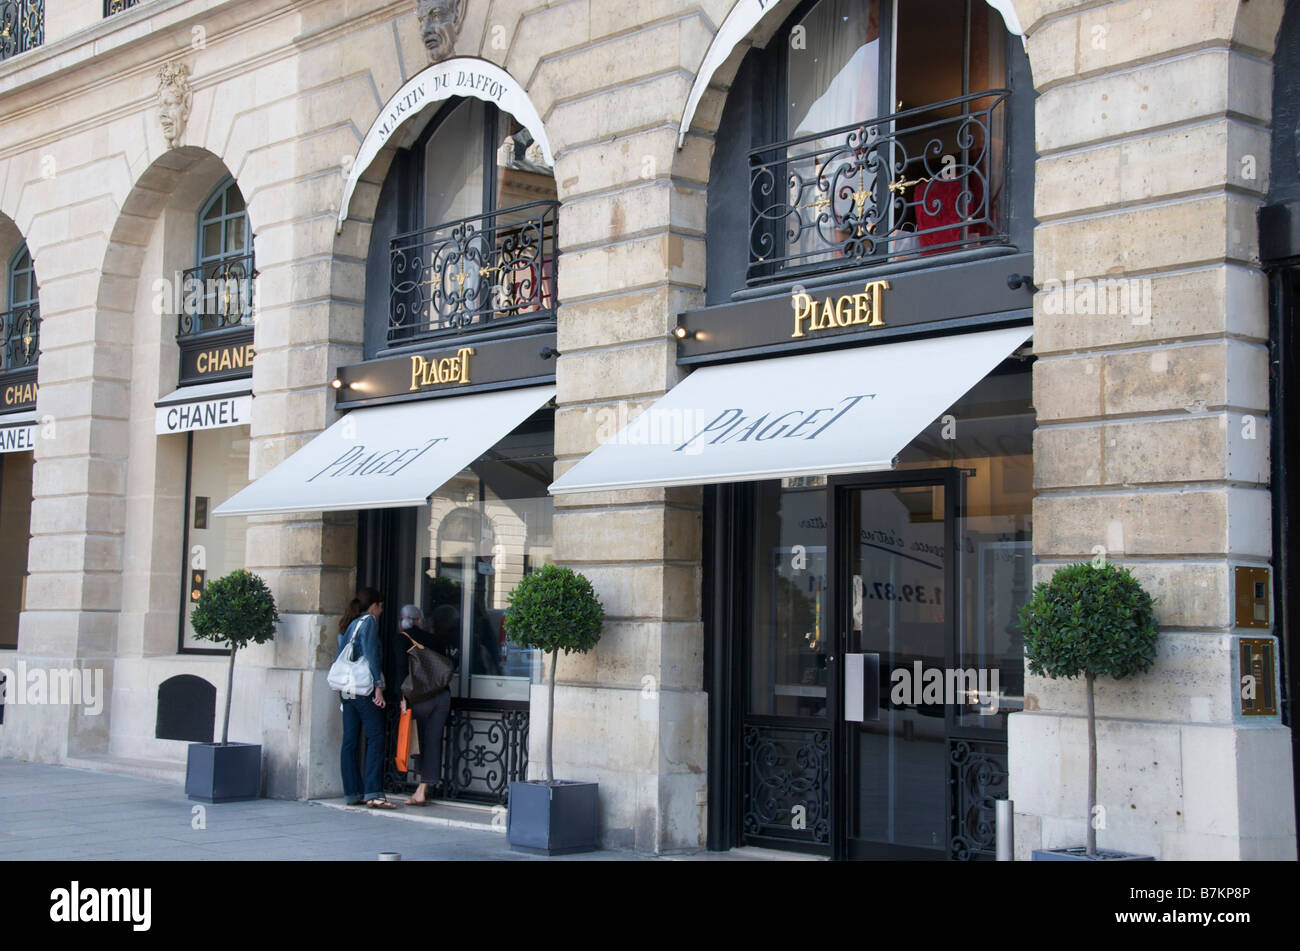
[(350, 673)]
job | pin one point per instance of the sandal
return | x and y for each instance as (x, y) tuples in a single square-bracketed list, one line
[(417, 802), (379, 804), (354, 802)]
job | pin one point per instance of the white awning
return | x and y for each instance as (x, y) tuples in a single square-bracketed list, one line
[(828, 413), (205, 406), (388, 456)]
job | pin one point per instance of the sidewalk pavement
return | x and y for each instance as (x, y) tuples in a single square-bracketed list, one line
[(59, 813)]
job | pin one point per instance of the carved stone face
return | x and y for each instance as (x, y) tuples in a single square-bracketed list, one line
[(439, 26), (174, 101), (171, 112)]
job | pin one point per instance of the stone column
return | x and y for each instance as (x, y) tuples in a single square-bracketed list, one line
[(632, 714), (1151, 390)]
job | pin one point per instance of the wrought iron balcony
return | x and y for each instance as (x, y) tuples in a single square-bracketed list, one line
[(917, 182), (22, 26), (496, 269), (22, 338), (117, 6), (216, 296)]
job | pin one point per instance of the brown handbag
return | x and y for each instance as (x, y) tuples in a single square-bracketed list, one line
[(430, 673)]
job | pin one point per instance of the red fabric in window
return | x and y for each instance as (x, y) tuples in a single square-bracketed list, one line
[(946, 218)]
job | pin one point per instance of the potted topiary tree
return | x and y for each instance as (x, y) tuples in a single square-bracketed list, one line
[(236, 610), (554, 609), (1093, 620)]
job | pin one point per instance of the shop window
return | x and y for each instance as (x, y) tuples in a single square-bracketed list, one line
[(214, 547), (218, 289), (465, 234), (22, 321), (868, 132), (988, 436), (481, 533), (15, 531)]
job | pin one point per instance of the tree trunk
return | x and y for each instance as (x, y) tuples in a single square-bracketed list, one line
[(550, 719), (230, 687), (1092, 771)]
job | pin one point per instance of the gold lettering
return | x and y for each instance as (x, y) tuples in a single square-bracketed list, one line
[(866, 307), (442, 370), (844, 310), (803, 307), (861, 308), (877, 291)]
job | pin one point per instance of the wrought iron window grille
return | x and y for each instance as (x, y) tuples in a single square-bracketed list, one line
[(22, 338), (216, 296), (117, 6), (917, 182), (22, 26), (496, 269)]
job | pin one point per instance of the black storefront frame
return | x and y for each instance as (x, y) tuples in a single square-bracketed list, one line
[(728, 519), (385, 537)]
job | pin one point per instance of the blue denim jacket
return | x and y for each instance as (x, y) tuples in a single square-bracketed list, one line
[(368, 638)]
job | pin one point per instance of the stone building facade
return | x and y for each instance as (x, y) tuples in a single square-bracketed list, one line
[(1151, 125)]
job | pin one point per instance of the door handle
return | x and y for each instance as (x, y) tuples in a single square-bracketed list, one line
[(861, 687)]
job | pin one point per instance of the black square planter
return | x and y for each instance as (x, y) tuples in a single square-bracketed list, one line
[(553, 819), (229, 773), (1080, 854)]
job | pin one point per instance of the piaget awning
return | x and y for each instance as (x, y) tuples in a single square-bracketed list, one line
[(388, 456), (829, 413)]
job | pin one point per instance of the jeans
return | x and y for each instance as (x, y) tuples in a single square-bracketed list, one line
[(361, 713), (431, 715)]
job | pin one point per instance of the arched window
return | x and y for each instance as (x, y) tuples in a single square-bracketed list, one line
[(870, 132), (222, 276), (22, 324), (464, 236)]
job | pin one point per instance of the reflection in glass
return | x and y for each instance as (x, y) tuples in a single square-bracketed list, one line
[(988, 434), (481, 533), (218, 469), (788, 642)]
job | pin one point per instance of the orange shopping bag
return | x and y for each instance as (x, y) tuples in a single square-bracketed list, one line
[(403, 741)]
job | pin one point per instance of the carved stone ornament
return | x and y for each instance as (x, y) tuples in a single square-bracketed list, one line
[(440, 22), (174, 101)]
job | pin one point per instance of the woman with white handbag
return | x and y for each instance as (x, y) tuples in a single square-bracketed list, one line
[(358, 676)]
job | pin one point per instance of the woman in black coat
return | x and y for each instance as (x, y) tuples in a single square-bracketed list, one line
[(431, 714)]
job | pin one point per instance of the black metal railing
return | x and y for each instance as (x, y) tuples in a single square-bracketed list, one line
[(912, 183), (217, 296), (22, 338), (484, 750), (117, 6), (22, 26), (497, 268)]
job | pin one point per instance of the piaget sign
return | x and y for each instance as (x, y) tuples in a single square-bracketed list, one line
[(865, 308), (426, 373)]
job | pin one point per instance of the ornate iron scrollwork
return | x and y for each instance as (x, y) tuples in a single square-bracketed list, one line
[(915, 182), (117, 6), (497, 268), (786, 783), (22, 338), (484, 750), (978, 774), (22, 26), (217, 296)]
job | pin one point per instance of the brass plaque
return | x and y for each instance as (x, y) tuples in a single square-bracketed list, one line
[(1258, 670), (1251, 589)]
